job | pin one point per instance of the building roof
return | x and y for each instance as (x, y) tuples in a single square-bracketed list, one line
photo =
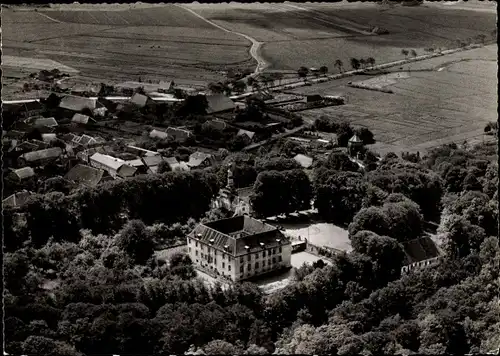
[(165, 85), (139, 99), (86, 175), (24, 173), (217, 123), (47, 153), (355, 139), (197, 158), (77, 103), (14, 134), (16, 199), (45, 121), (86, 140), (250, 134), (180, 166), (218, 103), (126, 171), (420, 249), (106, 160), (141, 151), (135, 162), (152, 160), (178, 132), (303, 160), (238, 233), (158, 134), (171, 161), (49, 137), (81, 119)]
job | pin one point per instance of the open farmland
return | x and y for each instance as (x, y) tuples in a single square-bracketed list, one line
[(316, 34), (122, 44), (449, 104)]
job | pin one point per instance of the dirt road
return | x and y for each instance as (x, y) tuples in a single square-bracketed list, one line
[(254, 49)]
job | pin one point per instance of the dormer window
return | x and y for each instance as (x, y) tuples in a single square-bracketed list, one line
[(199, 235)]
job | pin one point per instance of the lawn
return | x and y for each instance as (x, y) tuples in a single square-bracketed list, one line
[(452, 103)]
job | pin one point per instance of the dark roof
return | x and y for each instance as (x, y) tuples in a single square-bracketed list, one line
[(178, 133), (33, 105), (126, 171), (45, 121), (420, 249), (81, 119), (152, 160), (249, 134), (171, 161), (85, 175), (16, 199), (139, 99), (77, 103), (239, 232), (218, 103), (355, 139)]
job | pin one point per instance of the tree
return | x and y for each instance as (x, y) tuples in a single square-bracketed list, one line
[(323, 70), (193, 105), (362, 62), (355, 63), (404, 219), (344, 133), (339, 161), (338, 64), (220, 347), (163, 167), (365, 135), (302, 72), (460, 236), (405, 52), (135, 239), (239, 86), (370, 219), (371, 61)]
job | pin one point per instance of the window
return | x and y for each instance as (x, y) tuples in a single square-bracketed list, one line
[(215, 260), (241, 259), (189, 240), (249, 257), (190, 250), (274, 251), (229, 268), (280, 259), (280, 249), (241, 268), (196, 243), (274, 260), (196, 253), (249, 267), (223, 265), (229, 258), (256, 265), (257, 255), (264, 263)]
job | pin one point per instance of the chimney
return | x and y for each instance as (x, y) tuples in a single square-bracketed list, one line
[(261, 244)]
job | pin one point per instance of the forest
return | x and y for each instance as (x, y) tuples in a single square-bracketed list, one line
[(81, 276)]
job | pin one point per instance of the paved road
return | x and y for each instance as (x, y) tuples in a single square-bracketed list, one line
[(254, 49)]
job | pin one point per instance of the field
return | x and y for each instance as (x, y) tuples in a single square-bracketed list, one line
[(316, 34), (450, 103), (111, 44)]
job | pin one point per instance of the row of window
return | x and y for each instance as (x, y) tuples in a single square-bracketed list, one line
[(257, 255), (257, 266), (249, 257), (209, 249), (210, 259)]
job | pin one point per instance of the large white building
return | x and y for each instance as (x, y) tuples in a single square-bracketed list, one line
[(239, 247)]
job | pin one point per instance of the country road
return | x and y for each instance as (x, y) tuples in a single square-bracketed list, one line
[(254, 49)]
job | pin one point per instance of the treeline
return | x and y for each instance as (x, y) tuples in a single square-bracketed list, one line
[(169, 198)]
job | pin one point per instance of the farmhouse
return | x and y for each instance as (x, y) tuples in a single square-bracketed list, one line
[(22, 173), (106, 163), (178, 134), (200, 160), (82, 119), (303, 160), (158, 134), (239, 248), (16, 199), (77, 103), (44, 122), (42, 156), (219, 103), (85, 175)]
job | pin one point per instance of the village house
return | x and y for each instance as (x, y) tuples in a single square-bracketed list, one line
[(82, 119), (141, 100), (17, 199), (249, 135), (200, 160), (354, 145), (152, 163), (304, 161), (107, 163), (141, 152), (139, 165), (43, 122), (22, 174), (420, 253), (85, 175), (41, 157), (165, 86), (175, 165), (125, 171), (158, 134), (239, 248), (178, 134), (72, 104), (217, 124), (219, 103), (49, 137), (32, 108)]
